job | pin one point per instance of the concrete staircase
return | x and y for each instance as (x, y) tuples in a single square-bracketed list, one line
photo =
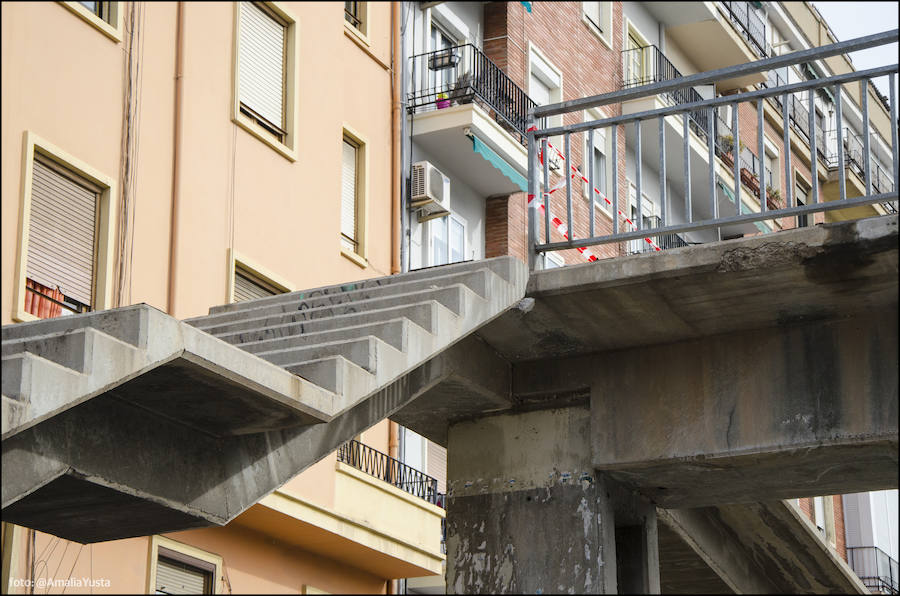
[(220, 409)]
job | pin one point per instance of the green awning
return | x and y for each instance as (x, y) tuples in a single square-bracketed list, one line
[(498, 162), (761, 226)]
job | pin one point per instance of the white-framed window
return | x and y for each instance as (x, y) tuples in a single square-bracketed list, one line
[(598, 17), (771, 163), (552, 260), (105, 16), (177, 568), (448, 240), (602, 169), (353, 208), (802, 192), (355, 15), (649, 217), (637, 59), (545, 87), (264, 74)]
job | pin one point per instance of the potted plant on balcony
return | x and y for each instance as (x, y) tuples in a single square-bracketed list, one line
[(727, 146), (773, 197), (750, 180), (442, 101)]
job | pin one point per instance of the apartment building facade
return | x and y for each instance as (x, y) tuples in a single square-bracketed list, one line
[(187, 155)]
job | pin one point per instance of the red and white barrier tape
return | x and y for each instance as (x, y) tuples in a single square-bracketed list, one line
[(560, 226)]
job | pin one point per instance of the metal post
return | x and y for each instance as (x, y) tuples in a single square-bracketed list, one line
[(590, 177), (567, 169), (892, 80), (761, 145), (687, 169), (735, 150), (711, 142), (786, 114), (842, 182), (865, 116), (637, 176), (662, 170), (546, 193), (615, 180), (813, 159), (532, 193)]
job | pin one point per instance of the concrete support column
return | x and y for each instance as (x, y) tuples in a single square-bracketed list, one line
[(527, 513)]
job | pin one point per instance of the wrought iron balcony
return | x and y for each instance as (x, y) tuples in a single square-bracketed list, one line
[(799, 113), (664, 242), (748, 160), (655, 68), (877, 570), (463, 74), (384, 467), (749, 24)]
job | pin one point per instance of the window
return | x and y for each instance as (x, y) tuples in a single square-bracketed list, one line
[(802, 193), (545, 87), (598, 17), (771, 164), (600, 165), (355, 15), (264, 74), (552, 260), (64, 236), (349, 207), (441, 79), (448, 240), (177, 568), (105, 16), (635, 69)]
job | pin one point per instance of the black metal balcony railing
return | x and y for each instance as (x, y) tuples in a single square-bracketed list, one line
[(749, 24), (664, 242), (463, 74), (384, 467), (877, 570), (656, 68), (749, 161)]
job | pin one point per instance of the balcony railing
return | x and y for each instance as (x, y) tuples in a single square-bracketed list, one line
[(664, 242), (748, 160), (656, 68), (463, 74), (799, 113), (384, 467), (749, 24), (569, 222), (877, 570)]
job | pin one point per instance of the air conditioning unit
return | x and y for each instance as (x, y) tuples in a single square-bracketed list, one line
[(430, 193)]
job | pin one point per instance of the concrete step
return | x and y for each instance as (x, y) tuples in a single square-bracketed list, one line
[(451, 297), (360, 351), (502, 266), (29, 377), (71, 350), (125, 324), (392, 332), (478, 281), (336, 374)]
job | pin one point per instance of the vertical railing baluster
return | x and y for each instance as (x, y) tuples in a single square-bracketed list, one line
[(813, 158), (532, 194), (842, 182), (662, 171), (567, 169), (761, 144), (711, 142), (637, 177), (546, 190), (786, 114), (864, 84), (590, 177), (736, 138), (614, 208), (892, 80), (687, 169)]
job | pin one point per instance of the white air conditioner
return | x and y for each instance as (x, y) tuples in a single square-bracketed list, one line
[(430, 193)]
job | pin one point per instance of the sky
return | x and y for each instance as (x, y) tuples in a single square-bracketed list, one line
[(849, 20)]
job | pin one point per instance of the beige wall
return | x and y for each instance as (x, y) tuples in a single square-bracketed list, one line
[(64, 81)]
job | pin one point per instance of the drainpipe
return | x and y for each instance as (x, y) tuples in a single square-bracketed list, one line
[(396, 81), (176, 157)]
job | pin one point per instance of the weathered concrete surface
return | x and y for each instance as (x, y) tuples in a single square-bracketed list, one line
[(527, 513), (186, 438), (681, 569), (764, 547)]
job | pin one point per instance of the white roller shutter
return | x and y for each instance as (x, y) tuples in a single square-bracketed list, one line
[(348, 195), (246, 288), (261, 63), (61, 233), (437, 465), (174, 577)]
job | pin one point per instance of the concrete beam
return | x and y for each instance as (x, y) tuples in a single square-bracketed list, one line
[(778, 413)]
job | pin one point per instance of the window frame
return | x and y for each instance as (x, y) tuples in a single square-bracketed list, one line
[(602, 30), (239, 261), (632, 32), (111, 28), (105, 226), (590, 115), (770, 151), (804, 220), (286, 147), (362, 9), (182, 550), (535, 57), (432, 262), (359, 257)]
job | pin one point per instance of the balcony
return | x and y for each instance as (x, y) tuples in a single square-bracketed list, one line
[(877, 570), (471, 117), (386, 468), (799, 114), (664, 242), (709, 36)]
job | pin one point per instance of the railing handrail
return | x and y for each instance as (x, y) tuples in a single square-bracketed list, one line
[(719, 74), (391, 470)]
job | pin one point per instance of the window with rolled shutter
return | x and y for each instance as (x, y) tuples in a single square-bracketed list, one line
[(349, 239), (179, 576), (261, 67), (62, 233), (248, 286)]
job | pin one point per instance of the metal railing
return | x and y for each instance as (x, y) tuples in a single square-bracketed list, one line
[(749, 24), (656, 68), (384, 467), (707, 205), (463, 74), (877, 570), (663, 242)]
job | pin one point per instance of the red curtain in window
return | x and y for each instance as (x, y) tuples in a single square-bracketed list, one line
[(37, 304)]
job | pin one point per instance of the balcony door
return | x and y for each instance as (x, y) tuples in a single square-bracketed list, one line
[(441, 80)]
